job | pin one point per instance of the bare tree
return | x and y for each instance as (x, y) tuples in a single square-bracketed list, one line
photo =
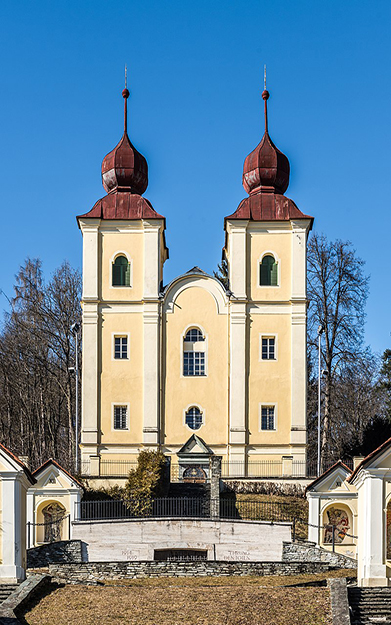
[(337, 292), (36, 351)]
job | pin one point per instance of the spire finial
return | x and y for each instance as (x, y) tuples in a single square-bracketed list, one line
[(265, 96), (126, 76), (125, 95)]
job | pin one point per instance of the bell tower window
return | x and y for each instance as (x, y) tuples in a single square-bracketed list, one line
[(268, 269), (121, 272)]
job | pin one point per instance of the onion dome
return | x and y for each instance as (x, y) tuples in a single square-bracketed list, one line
[(124, 168), (266, 168)]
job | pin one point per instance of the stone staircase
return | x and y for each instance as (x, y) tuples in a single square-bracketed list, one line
[(6, 590), (370, 605)]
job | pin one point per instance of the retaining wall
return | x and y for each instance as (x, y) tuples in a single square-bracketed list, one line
[(134, 539), (93, 572), (310, 552), (61, 551)]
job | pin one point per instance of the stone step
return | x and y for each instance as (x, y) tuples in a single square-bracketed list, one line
[(6, 590)]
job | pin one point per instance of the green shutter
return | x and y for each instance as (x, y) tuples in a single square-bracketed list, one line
[(127, 275), (274, 275), (265, 275)]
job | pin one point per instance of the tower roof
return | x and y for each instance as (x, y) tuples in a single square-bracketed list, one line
[(266, 168), (124, 167), (125, 178), (266, 178)]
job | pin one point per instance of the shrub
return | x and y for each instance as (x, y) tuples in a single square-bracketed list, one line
[(146, 481)]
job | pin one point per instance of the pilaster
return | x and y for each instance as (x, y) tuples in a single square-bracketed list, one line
[(151, 378), (371, 530), (13, 534), (237, 390)]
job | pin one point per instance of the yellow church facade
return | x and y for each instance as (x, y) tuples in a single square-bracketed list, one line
[(224, 362)]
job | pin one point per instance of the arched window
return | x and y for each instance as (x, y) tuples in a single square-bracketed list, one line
[(268, 274), (121, 272), (194, 352), (193, 418)]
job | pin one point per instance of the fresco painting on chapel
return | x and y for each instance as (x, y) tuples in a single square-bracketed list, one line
[(338, 522)]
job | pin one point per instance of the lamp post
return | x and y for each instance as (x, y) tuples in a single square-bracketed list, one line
[(320, 332), (75, 328)]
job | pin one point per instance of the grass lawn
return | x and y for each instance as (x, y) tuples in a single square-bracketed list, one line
[(193, 601)]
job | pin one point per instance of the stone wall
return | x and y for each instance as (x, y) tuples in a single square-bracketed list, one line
[(61, 551), (310, 552), (93, 572), (135, 539)]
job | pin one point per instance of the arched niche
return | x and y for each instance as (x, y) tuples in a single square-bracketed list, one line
[(50, 522), (337, 519)]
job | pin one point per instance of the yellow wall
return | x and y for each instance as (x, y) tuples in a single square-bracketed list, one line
[(121, 380), (270, 380), (278, 245), (112, 243), (196, 307)]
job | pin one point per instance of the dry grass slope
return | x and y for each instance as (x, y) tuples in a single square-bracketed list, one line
[(201, 601)]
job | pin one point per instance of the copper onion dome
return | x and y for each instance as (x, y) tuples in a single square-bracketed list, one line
[(266, 168), (124, 168)]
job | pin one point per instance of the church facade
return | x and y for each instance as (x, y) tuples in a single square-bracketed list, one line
[(226, 362)]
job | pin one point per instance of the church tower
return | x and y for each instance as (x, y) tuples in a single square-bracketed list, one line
[(124, 251), (194, 367), (266, 242)]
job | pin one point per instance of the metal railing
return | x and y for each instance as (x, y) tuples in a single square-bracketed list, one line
[(181, 507), (261, 469)]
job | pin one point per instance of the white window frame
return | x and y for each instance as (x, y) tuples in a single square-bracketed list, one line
[(130, 261), (265, 404), (202, 411), (115, 335), (205, 350), (266, 335), (121, 404), (276, 260)]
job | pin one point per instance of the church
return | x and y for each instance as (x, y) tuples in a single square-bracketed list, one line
[(221, 364)]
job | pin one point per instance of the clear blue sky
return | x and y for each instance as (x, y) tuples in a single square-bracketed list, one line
[(195, 76)]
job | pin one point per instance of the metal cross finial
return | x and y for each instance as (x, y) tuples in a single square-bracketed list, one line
[(264, 76)]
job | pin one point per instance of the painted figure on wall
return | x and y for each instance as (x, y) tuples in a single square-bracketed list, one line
[(338, 522), (53, 516)]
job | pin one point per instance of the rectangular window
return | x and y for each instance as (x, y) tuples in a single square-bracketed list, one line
[(268, 348), (267, 418), (120, 417), (120, 347), (193, 363)]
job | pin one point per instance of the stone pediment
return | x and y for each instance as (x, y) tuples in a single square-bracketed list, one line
[(195, 446)]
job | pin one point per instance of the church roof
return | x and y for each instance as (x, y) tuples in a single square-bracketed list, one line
[(266, 178), (125, 178)]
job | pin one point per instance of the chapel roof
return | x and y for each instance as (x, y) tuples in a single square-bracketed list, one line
[(329, 471), (27, 472), (369, 458), (53, 462)]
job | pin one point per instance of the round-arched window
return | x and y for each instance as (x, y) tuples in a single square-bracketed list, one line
[(194, 418), (268, 275), (121, 272)]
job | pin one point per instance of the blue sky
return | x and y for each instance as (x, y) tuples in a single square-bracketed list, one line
[(195, 112)]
